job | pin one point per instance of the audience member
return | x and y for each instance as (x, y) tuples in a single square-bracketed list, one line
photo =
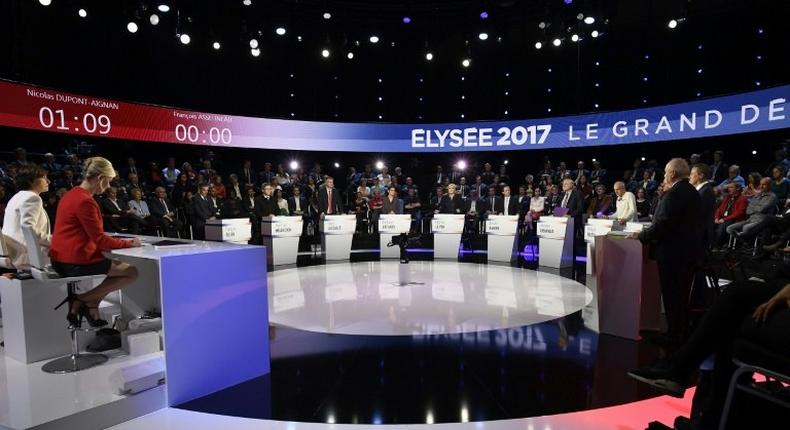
[(163, 214), (753, 185), (642, 206), (139, 219), (758, 212), (625, 205), (731, 211), (26, 209), (699, 178)]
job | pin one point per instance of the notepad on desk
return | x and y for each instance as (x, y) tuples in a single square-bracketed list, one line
[(171, 244)]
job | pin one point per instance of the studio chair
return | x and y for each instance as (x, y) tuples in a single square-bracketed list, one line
[(41, 271), (749, 359)]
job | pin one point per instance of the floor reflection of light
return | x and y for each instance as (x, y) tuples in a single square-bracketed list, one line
[(429, 417), (464, 414), (330, 419)]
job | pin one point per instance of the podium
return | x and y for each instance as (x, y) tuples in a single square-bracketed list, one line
[(233, 230), (281, 238), (447, 230), (595, 227), (629, 295), (337, 231), (392, 225), (555, 241), (502, 238)]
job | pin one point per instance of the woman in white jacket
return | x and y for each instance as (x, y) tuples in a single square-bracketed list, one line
[(26, 209)]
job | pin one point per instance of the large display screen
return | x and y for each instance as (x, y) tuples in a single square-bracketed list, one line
[(37, 108)]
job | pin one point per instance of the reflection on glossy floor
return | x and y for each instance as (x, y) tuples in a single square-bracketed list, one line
[(423, 297), (546, 358)]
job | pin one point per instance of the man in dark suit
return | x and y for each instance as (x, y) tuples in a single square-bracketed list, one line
[(675, 225), (719, 169), (204, 210), (329, 198), (266, 205), (115, 218), (507, 204), (247, 174), (700, 179), (572, 200), (473, 208), (164, 213)]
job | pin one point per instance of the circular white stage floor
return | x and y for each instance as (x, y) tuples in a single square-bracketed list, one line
[(421, 298)]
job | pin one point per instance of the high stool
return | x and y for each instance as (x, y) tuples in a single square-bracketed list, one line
[(40, 270)]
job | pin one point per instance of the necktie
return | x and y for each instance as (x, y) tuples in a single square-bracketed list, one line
[(329, 201), (507, 200)]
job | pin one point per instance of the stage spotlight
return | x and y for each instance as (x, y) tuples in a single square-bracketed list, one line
[(589, 20), (163, 8), (466, 62), (216, 45), (293, 165), (575, 38), (253, 43), (325, 53), (673, 23), (132, 27), (594, 160), (280, 31), (568, 1), (483, 15), (580, 16), (154, 19), (337, 165), (754, 152), (246, 2), (327, 15), (185, 39), (542, 25), (429, 56), (483, 36), (538, 45), (406, 20), (379, 164), (505, 162), (556, 42), (82, 13), (255, 52), (374, 39), (350, 55), (643, 158), (594, 34), (461, 165), (45, 2)]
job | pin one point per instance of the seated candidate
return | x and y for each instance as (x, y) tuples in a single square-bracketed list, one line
[(26, 209), (163, 213)]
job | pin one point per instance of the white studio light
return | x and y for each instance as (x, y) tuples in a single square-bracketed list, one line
[(556, 42), (673, 23), (589, 20), (538, 45), (350, 55), (280, 31), (379, 164), (82, 13), (575, 38), (327, 15), (132, 27), (374, 39), (337, 165), (185, 39), (594, 34), (429, 56), (246, 2), (461, 165), (293, 165), (466, 62), (253, 43), (154, 19), (45, 2), (216, 45), (483, 36), (163, 8), (255, 52), (325, 53)]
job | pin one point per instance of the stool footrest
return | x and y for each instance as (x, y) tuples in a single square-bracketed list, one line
[(74, 363)]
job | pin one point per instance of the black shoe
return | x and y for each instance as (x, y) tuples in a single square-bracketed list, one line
[(661, 379), (85, 313), (73, 316)]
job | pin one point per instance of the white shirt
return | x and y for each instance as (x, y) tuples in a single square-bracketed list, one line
[(297, 206), (507, 200), (626, 207), (699, 187), (25, 209), (537, 204)]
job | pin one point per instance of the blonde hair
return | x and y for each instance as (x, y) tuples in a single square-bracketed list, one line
[(98, 166)]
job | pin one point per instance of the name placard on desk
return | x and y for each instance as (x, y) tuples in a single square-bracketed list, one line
[(229, 230), (338, 224), (597, 227), (635, 227), (552, 227), (447, 223), (281, 226), (394, 223), (504, 225)]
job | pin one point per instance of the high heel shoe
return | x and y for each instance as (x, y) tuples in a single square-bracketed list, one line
[(73, 316), (86, 313)]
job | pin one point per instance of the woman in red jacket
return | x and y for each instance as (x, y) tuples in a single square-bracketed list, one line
[(79, 240)]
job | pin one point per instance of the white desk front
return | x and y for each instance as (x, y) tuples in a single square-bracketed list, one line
[(200, 288), (595, 227), (235, 230), (337, 232), (555, 241), (392, 225), (281, 238), (447, 230), (502, 239)]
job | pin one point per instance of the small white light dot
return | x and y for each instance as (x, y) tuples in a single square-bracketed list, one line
[(575, 38), (380, 117), (380, 98), (556, 42), (132, 27), (644, 78), (380, 80), (255, 52), (597, 85), (589, 20), (154, 19), (298, 38), (757, 83), (327, 15), (253, 43), (597, 63), (754, 152), (699, 71), (505, 112), (594, 34), (45, 2), (548, 90), (462, 116), (216, 45), (466, 62), (429, 56), (163, 8), (82, 13), (596, 105), (673, 23), (325, 53), (507, 93), (374, 39), (759, 57), (548, 110), (185, 39), (246, 2), (280, 31), (292, 114), (549, 70), (483, 36), (538, 45), (350, 55)]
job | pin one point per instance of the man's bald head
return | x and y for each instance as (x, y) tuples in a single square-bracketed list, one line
[(675, 170)]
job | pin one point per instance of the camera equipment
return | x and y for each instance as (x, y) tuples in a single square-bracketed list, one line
[(403, 240)]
